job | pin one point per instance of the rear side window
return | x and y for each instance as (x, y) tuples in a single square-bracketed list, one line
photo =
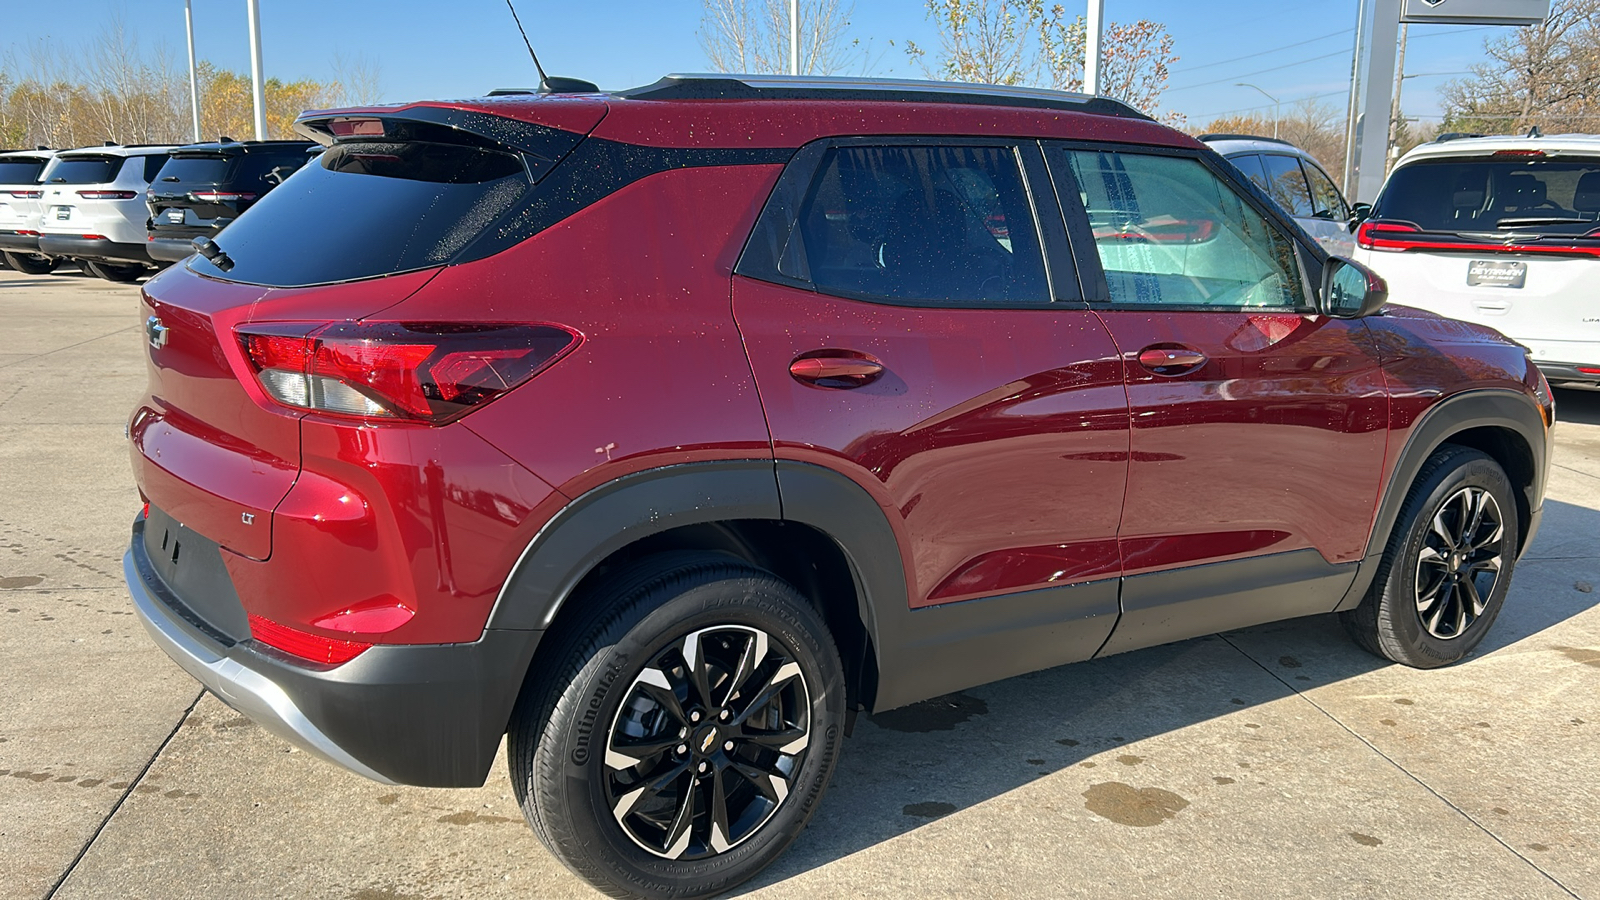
[(195, 169), (1325, 200), (923, 224), (152, 167), (1287, 184), (371, 208), (1554, 196), (85, 170), (1170, 232), (20, 171)]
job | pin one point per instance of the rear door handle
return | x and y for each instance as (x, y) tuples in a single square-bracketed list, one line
[(1171, 360), (836, 369)]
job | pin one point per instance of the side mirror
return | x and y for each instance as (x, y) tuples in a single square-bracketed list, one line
[(1359, 213), (1351, 290)]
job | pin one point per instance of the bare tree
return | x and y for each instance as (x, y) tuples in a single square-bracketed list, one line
[(753, 36), (1546, 75), (357, 80), (1136, 58), (983, 41)]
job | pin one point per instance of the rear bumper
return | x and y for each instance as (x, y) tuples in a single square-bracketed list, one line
[(1567, 373), (430, 715), (18, 243), (170, 249), (87, 248)]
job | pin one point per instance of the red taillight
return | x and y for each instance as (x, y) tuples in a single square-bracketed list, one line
[(107, 195), (1518, 154), (27, 195), (313, 647), (28, 233), (222, 196), (1589, 370), (426, 372), (93, 237), (1381, 235)]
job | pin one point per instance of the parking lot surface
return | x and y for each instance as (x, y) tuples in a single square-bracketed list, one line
[(1278, 761)]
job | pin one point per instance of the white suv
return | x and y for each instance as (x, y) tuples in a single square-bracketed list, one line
[(94, 208), (21, 172), (1501, 231)]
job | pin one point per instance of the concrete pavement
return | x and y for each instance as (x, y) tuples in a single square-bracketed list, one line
[(1278, 761)]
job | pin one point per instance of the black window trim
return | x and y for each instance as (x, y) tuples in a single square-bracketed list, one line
[(778, 222), (1310, 256)]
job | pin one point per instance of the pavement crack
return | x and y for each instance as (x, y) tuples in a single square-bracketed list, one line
[(37, 356), (1555, 465), (1403, 770), (84, 850)]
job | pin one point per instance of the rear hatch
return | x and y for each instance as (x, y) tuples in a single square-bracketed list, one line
[(76, 180), (20, 191), (396, 197), (1509, 239)]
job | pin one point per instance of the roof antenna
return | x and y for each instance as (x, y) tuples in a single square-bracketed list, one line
[(548, 85), (543, 81), (1532, 132)]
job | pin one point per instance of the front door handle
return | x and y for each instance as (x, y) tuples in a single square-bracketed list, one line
[(835, 369), (1171, 360)]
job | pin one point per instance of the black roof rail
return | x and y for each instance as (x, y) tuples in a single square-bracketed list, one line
[(804, 87), (1243, 137), (1456, 136)]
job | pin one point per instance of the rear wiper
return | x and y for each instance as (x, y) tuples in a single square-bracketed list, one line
[(1537, 220)]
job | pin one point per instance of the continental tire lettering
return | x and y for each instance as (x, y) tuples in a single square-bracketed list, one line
[(591, 712)]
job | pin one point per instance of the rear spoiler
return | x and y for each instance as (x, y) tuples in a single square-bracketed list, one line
[(437, 123)]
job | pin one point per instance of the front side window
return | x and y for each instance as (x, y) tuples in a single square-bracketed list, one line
[(1170, 232), (1287, 184), (928, 224)]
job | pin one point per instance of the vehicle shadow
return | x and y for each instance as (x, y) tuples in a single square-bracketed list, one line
[(908, 767), (1578, 405)]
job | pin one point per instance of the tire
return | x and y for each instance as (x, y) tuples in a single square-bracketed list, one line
[(1444, 574), (119, 272), (31, 263), (615, 820)]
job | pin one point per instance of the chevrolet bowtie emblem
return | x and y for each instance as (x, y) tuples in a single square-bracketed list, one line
[(707, 741), (155, 332)]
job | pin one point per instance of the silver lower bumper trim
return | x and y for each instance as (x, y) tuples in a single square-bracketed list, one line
[(244, 689)]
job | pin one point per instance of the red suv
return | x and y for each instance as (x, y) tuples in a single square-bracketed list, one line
[(664, 430)]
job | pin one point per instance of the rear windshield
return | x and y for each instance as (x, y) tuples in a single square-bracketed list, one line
[(1556, 196), (85, 170), (367, 209), (195, 169), (20, 171)]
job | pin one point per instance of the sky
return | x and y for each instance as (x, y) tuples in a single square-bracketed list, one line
[(1291, 49)]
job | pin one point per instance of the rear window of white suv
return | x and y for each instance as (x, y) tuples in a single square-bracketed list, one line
[(1495, 193)]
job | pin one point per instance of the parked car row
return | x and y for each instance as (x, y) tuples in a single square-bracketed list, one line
[(122, 211)]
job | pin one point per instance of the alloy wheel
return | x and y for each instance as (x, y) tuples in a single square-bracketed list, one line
[(1459, 562), (706, 742)]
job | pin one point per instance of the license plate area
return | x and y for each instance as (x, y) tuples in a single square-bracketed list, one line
[(175, 216), (63, 213), (191, 567), (1503, 273)]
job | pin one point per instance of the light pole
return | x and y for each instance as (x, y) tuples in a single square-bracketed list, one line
[(1269, 97), (194, 77), (794, 37), (258, 90), (1091, 50)]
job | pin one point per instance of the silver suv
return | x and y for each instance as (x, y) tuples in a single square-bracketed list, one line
[(21, 172), (94, 208), (1292, 177)]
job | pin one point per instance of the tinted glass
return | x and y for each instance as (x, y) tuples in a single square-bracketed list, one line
[(370, 209), (934, 224), (85, 170), (1325, 200), (195, 169), (1287, 184), (1169, 231), (1250, 165), (152, 166), (1557, 197), (20, 171)]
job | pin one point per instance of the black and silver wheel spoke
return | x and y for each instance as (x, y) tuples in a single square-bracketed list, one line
[(1463, 544), (706, 741)]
